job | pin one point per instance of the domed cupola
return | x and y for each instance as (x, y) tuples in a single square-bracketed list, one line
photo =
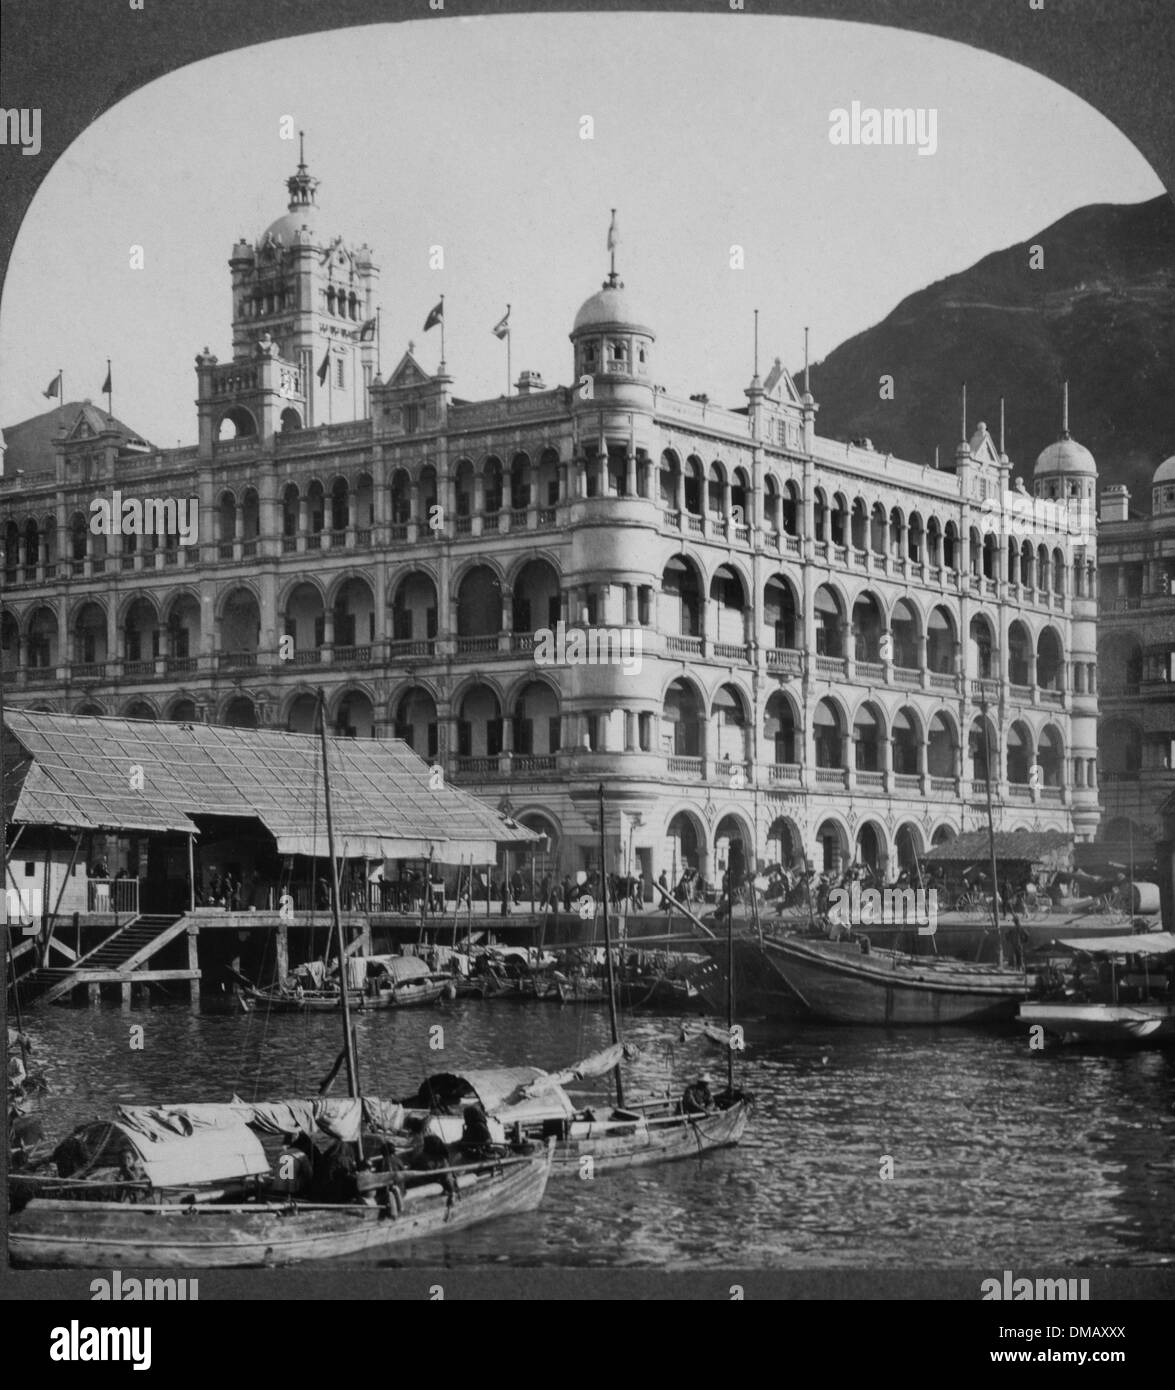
[(301, 216), (1065, 469), (612, 338), (1163, 483)]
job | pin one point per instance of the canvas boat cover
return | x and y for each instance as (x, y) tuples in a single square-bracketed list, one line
[(167, 1158), (1157, 943), (504, 1092), (340, 1117), (73, 771), (400, 968)]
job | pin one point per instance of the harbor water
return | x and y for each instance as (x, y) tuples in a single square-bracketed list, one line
[(1001, 1155)]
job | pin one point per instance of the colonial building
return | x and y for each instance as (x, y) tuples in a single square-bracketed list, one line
[(1136, 652), (818, 624)]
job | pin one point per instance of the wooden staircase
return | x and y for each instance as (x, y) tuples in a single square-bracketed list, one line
[(114, 960)]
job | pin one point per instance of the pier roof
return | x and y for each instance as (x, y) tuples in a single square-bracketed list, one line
[(1021, 846), (84, 772)]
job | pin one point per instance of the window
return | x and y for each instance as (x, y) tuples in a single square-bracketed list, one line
[(410, 419), (553, 733)]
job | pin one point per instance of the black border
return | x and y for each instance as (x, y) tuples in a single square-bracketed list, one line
[(74, 59)]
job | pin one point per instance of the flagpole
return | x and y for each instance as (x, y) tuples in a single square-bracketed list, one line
[(509, 374), (612, 246), (109, 391), (442, 331), (378, 328)]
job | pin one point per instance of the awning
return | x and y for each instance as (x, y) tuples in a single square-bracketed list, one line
[(1157, 943), (400, 968)]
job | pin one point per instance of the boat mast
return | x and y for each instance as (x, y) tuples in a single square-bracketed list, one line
[(995, 887), (608, 952), (348, 1037), (730, 965)]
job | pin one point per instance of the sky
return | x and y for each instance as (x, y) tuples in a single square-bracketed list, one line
[(710, 131)]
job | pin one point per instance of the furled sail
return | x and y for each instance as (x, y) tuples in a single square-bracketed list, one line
[(598, 1064)]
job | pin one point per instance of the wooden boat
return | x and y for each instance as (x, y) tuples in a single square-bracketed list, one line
[(203, 1193), (210, 1198), (525, 1103), (1124, 1003), (392, 982), (848, 982)]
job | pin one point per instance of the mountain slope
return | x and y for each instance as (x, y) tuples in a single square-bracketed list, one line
[(1101, 313)]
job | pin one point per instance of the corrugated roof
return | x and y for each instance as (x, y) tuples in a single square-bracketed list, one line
[(1027, 846), (82, 771)]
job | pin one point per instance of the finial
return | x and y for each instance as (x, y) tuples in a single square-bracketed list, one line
[(756, 345), (301, 149), (964, 412), (1002, 449), (807, 388), (613, 239)]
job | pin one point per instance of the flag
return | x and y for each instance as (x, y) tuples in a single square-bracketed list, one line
[(324, 368), (107, 386), (367, 332), (54, 387), (613, 233), (437, 316), (502, 327)]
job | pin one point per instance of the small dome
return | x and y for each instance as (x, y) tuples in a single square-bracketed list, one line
[(287, 227), (1165, 473), (610, 307), (1065, 456)]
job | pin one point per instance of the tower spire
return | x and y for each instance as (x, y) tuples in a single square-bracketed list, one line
[(301, 185)]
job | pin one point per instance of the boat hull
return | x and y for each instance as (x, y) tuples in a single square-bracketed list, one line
[(837, 983), (55, 1234), (621, 1145), (415, 993), (1149, 1025)]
